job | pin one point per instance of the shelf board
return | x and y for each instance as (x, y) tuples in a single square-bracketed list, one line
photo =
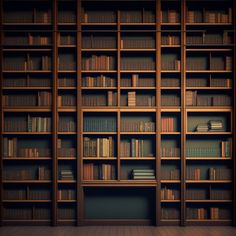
[(27, 181), (208, 181), (66, 158), (209, 71), (208, 201), (209, 158), (209, 133), (114, 183), (66, 181), (99, 50), (98, 88), (170, 71), (26, 71), (99, 71), (170, 88), (138, 50), (67, 46), (95, 132), (26, 158), (27, 133), (66, 133), (169, 24), (166, 109), (137, 71), (138, 88), (99, 158), (170, 158), (208, 49), (209, 88), (67, 88), (99, 24), (27, 24), (170, 46), (207, 109), (27, 49), (26, 201), (66, 24), (137, 109), (137, 24), (170, 133), (27, 88), (169, 201), (137, 158), (208, 24), (27, 109), (170, 181), (67, 109), (67, 71), (66, 201), (137, 132)]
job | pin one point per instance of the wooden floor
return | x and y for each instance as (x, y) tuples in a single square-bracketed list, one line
[(117, 231)]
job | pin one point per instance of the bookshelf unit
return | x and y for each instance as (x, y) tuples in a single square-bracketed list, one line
[(117, 112)]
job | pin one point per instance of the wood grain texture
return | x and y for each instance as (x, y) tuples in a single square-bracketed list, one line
[(118, 231)]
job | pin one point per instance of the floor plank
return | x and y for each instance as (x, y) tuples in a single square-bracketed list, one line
[(118, 231)]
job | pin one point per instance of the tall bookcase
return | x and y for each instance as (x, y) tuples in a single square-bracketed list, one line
[(117, 112)]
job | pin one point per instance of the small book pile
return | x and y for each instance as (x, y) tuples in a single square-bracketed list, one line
[(215, 125), (66, 175), (202, 128), (139, 174)]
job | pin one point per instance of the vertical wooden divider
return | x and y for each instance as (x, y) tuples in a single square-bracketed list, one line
[(158, 112), (54, 113)]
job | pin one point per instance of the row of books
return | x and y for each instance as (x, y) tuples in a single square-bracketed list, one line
[(212, 194), (66, 152), (170, 16), (143, 174), (134, 148), (170, 82), (170, 194), (138, 16), (170, 100), (214, 173), (139, 63), (28, 63), (170, 152), (66, 194), (66, 61), (67, 213), (66, 124), (66, 174), (99, 147), (195, 99), (209, 38), (206, 16), (168, 124), (98, 16), (40, 99), (67, 16), (109, 99), (137, 126), (134, 99), (94, 41), (27, 39), (27, 82), (211, 82), (99, 81), (98, 63), (212, 125), (172, 174), (220, 173), (136, 81), (41, 173), (66, 39), (216, 63), (213, 213), (26, 213), (66, 82), (66, 100), (170, 64), (27, 16), (27, 194), (137, 42), (100, 124), (170, 40), (170, 213), (27, 124), (93, 171), (11, 149)]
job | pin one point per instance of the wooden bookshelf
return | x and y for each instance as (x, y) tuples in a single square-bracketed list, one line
[(120, 105)]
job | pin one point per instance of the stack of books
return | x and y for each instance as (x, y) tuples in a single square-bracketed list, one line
[(139, 174), (215, 125), (202, 128), (131, 98), (66, 175)]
